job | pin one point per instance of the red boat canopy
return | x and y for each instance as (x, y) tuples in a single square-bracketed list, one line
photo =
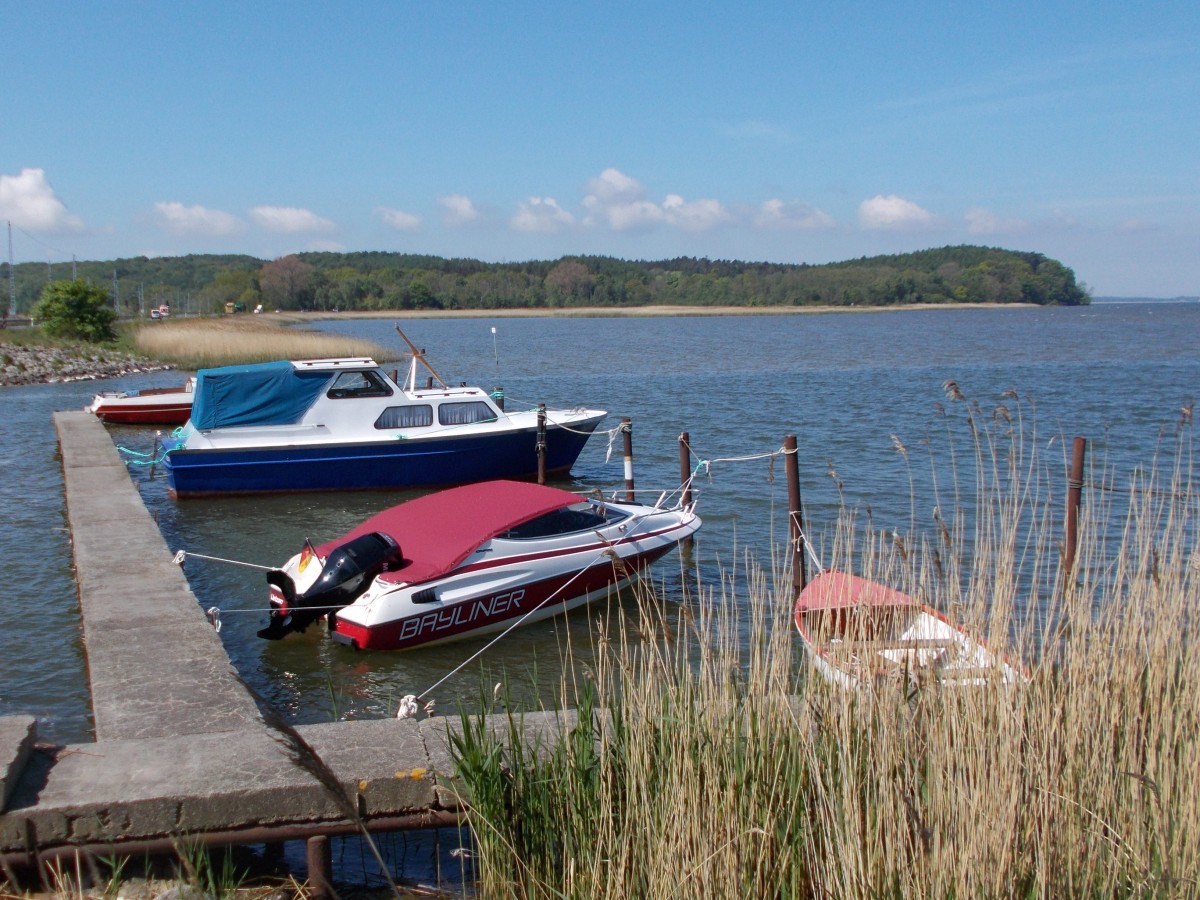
[(836, 590), (438, 531)]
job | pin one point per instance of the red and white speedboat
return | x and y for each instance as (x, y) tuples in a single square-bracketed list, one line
[(469, 561), (149, 406)]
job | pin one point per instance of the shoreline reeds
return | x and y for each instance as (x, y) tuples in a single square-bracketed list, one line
[(708, 759)]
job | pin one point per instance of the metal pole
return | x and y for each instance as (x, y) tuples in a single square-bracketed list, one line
[(627, 432), (1074, 496), (541, 443), (498, 396), (319, 859), (795, 513)]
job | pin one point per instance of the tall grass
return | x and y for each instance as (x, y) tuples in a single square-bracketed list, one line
[(707, 760), (204, 343)]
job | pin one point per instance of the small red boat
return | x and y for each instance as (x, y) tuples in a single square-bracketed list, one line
[(858, 633), (150, 406)]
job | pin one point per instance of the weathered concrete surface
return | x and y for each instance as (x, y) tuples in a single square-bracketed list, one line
[(155, 665), (134, 790), (17, 734), (181, 749), (117, 791)]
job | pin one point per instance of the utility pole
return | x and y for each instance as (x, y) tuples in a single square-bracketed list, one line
[(12, 277)]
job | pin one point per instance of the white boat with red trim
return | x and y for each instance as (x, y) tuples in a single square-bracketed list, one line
[(470, 561), (148, 406), (859, 632)]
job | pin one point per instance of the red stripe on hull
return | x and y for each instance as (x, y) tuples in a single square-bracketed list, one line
[(493, 612)]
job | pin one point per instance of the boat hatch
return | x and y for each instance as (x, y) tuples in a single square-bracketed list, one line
[(579, 517)]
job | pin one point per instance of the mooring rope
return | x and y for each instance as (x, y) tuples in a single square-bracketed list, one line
[(409, 704)]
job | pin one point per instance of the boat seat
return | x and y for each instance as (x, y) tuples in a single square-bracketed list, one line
[(904, 644)]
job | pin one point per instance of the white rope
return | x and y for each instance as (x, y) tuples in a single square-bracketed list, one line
[(607, 551), (184, 554)]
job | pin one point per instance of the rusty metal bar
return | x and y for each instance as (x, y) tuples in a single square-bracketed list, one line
[(318, 858), (265, 834)]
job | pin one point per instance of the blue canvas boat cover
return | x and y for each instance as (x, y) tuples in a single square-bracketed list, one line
[(274, 393)]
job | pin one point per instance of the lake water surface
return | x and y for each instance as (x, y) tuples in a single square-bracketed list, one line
[(848, 385)]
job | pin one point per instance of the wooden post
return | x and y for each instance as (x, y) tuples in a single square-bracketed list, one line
[(627, 432), (685, 478), (791, 468), (541, 443), (1074, 497), (319, 858), (685, 468)]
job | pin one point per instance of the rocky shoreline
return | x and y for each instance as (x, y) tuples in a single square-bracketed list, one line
[(47, 365)]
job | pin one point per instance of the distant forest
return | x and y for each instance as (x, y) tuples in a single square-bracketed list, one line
[(380, 281)]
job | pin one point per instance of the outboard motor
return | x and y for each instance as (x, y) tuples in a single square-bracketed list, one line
[(348, 572)]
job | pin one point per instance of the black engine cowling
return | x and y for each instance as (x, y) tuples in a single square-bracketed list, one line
[(348, 572)]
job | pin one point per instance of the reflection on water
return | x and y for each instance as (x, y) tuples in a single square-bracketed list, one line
[(845, 384)]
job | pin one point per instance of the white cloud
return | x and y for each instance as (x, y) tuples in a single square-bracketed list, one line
[(984, 222), (612, 187), (398, 219), (459, 210), (289, 219), (775, 215), (694, 215), (892, 213), (180, 219), (618, 201), (28, 201), (542, 215)]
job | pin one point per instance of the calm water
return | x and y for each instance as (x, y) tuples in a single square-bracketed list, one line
[(843, 383)]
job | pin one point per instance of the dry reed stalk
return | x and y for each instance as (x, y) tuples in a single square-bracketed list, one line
[(728, 770), (204, 343)]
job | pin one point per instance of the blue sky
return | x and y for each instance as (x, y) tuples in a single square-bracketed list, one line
[(785, 132)]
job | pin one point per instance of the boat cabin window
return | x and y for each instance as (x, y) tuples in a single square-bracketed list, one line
[(358, 384), (465, 413), (416, 416), (579, 517)]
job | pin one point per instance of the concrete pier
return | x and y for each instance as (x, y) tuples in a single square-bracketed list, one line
[(181, 749)]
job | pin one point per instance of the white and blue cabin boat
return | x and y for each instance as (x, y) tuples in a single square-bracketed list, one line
[(344, 424)]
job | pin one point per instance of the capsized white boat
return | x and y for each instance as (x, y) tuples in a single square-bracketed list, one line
[(469, 561), (148, 406), (859, 632)]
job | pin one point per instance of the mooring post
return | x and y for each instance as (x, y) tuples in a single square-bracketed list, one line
[(791, 468), (319, 858), (541, 442), (627, 433), (498, 396), (685, 477), (685, 468), (1074, 497)]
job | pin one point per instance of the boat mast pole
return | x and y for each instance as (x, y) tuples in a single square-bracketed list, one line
[(420, 355)]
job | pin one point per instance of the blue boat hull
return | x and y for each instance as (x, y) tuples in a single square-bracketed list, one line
[(377, 465)]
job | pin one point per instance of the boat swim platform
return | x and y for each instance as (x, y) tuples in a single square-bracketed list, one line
[(181, 751)]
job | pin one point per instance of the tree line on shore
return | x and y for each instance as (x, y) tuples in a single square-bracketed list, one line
[(377, 281)]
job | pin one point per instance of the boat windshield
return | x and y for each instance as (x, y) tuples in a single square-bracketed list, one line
[(578, 517)]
